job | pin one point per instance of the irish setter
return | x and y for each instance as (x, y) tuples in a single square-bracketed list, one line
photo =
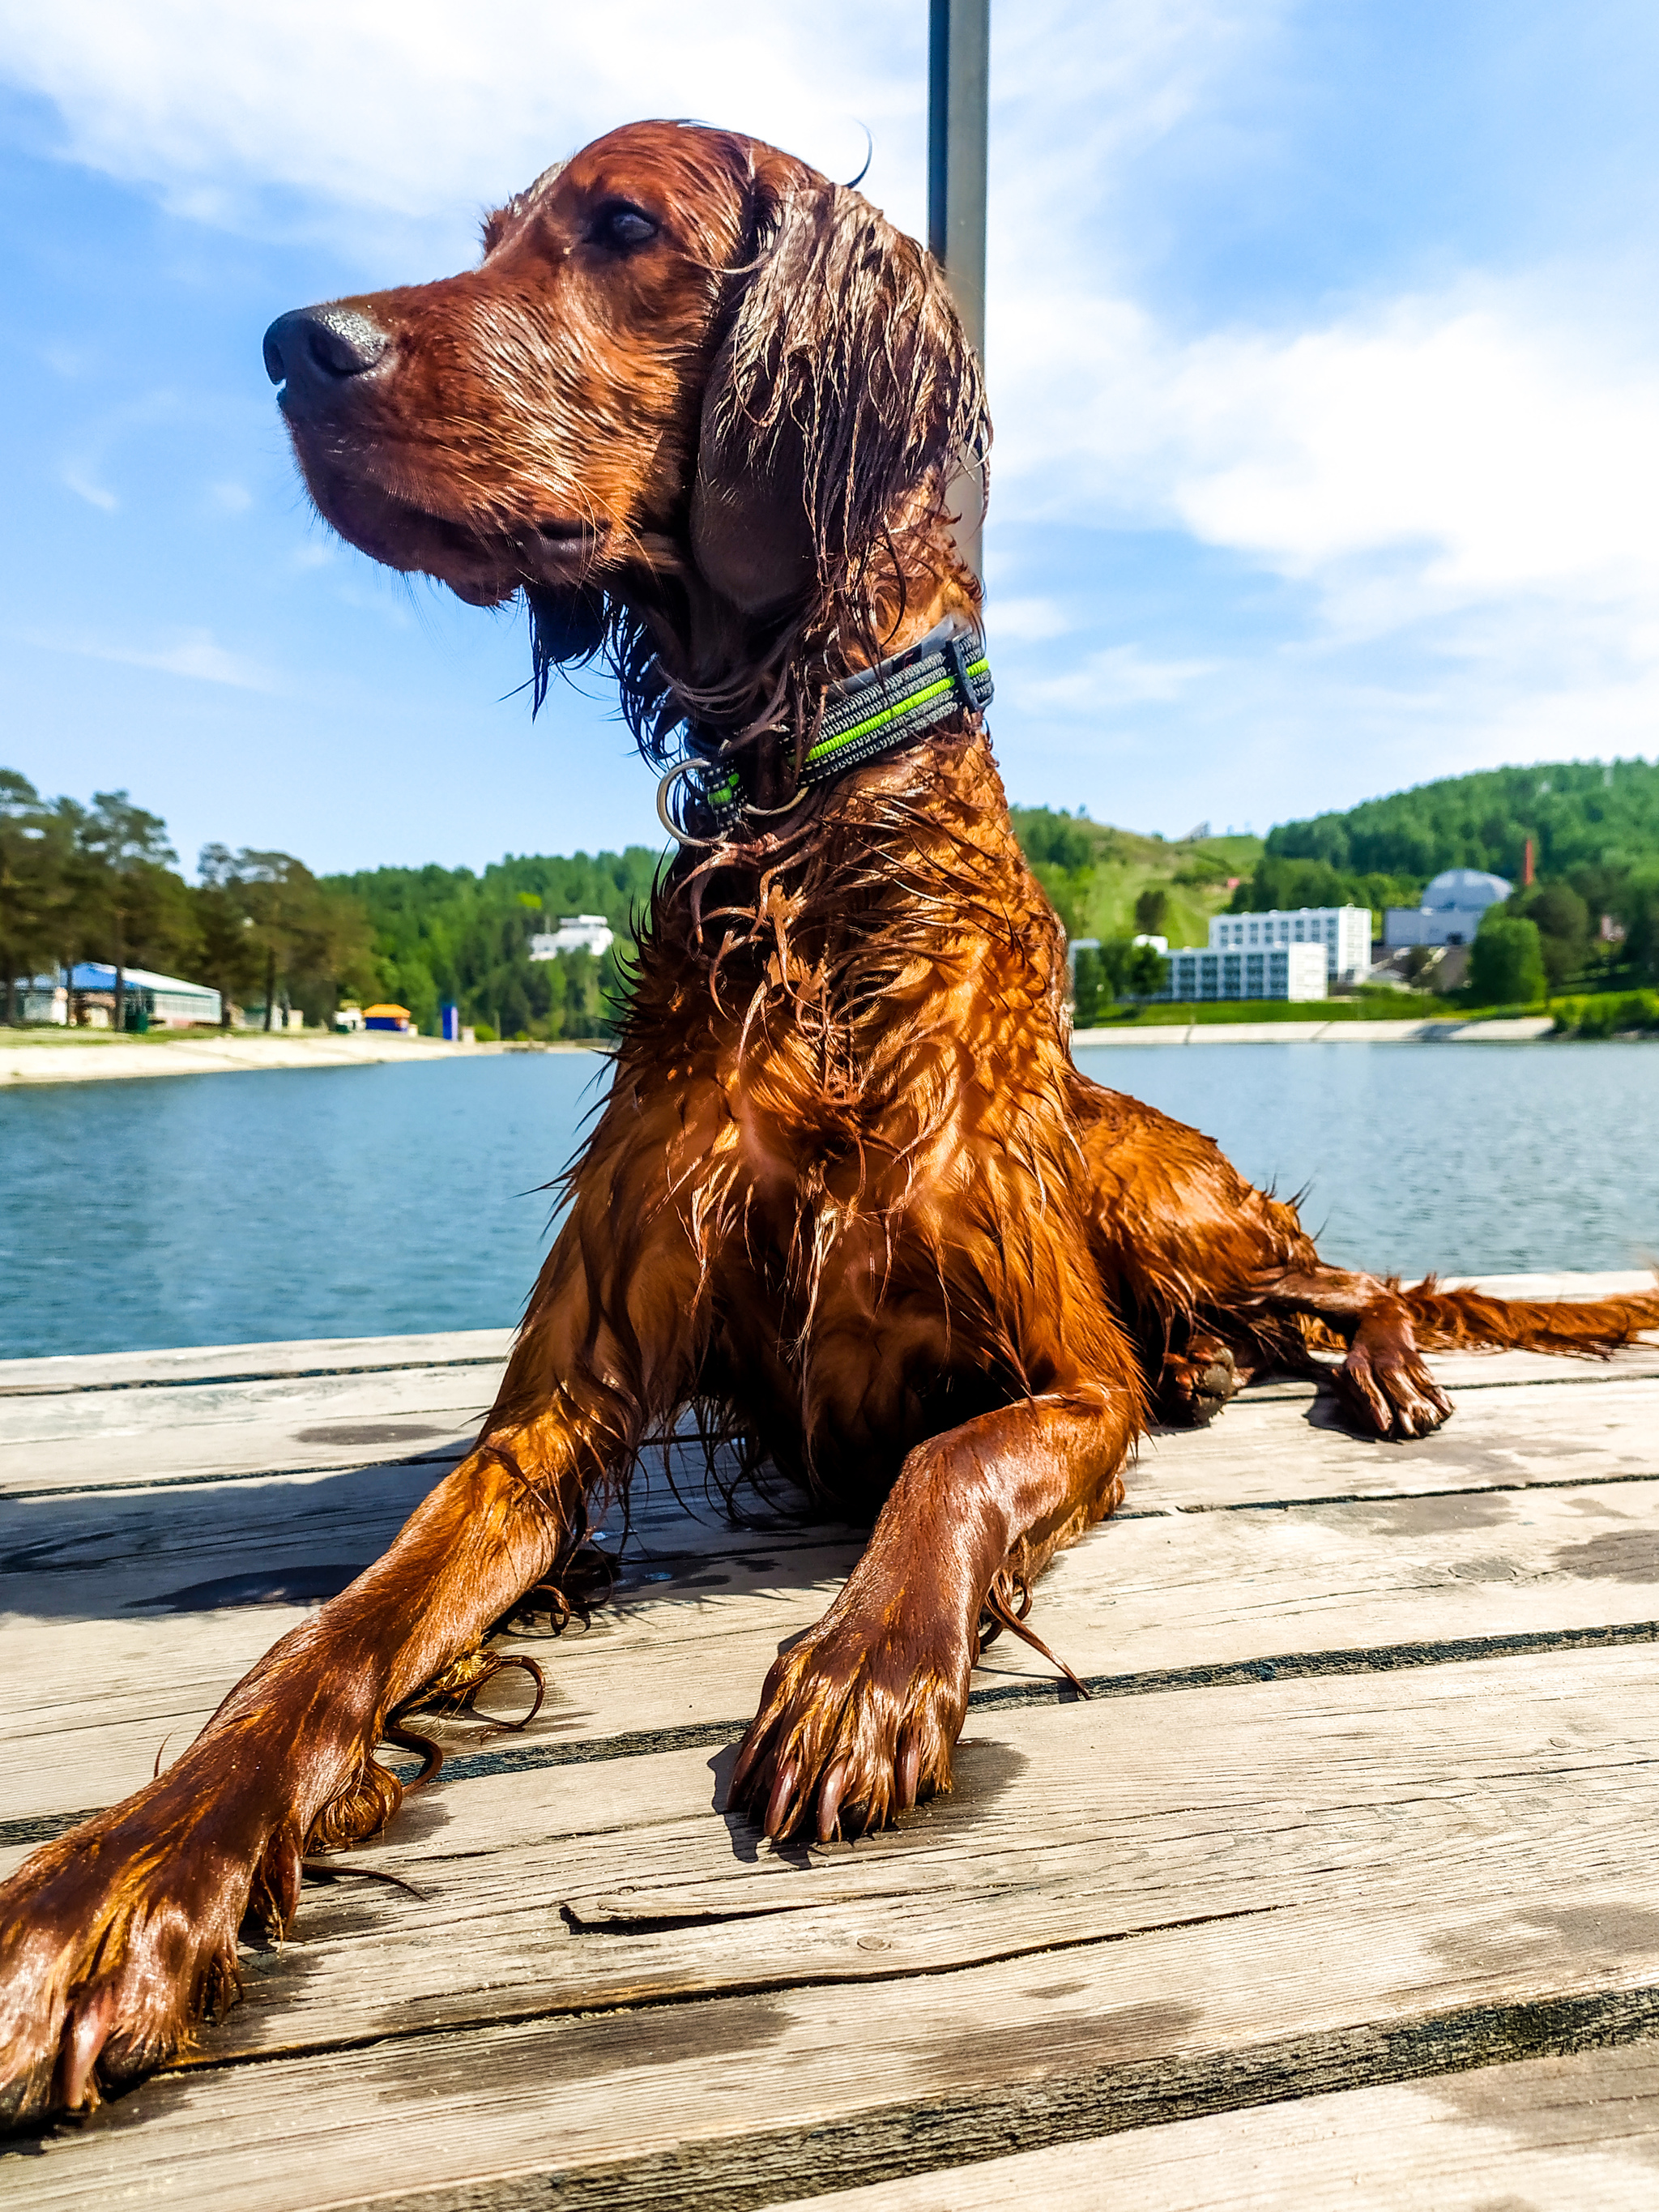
[(849, 1197)]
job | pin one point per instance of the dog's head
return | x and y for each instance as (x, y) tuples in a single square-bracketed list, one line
[(691, 383)]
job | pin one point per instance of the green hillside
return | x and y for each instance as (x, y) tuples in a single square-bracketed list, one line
[(1589, 922), (1579, 814), (1096, 874), (448, 934)]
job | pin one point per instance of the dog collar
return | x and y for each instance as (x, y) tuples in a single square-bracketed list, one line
[(866, 715)]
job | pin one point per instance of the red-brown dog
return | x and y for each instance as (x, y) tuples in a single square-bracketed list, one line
[(849, 1194)]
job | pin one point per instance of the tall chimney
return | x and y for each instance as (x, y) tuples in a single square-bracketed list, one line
[(1526, 865)]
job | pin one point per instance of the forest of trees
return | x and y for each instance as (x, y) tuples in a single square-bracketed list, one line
[(99, 882), (445, 933), (1579, 814)]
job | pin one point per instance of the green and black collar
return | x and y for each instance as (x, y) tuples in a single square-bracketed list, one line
[(868, 714)]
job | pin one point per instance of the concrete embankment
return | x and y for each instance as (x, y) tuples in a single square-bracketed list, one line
[(231, 1051), (1523, 1030)]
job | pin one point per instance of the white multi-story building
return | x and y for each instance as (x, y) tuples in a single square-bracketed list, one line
[(1344, 931), (1271, 972), (576, 932)]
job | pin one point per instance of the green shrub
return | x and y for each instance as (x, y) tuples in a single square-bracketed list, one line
[(1091, 995), (1607, 1013), (1506, 963)]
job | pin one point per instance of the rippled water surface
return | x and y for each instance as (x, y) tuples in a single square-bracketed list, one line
[(343, 1202)]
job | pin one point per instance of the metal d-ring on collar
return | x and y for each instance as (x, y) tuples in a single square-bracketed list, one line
[(869, 714)]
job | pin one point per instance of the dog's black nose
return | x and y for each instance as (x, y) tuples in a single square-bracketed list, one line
[(311, 351)]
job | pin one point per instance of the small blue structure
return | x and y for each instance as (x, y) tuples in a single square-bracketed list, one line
[(147, 1000)]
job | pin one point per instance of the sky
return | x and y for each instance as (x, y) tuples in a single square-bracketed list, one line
[(1323, 345)]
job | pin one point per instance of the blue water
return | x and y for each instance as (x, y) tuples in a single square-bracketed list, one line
[(228, 1209), (234, 1209)]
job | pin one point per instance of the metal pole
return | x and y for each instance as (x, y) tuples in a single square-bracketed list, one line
[(958, 77)]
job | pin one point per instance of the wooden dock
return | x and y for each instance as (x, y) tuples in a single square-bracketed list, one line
[(1340, 1889)]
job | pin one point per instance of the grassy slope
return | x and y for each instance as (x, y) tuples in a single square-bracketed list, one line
[(1094, 874)]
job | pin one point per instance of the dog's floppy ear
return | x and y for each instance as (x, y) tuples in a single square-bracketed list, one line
[(843, 394)]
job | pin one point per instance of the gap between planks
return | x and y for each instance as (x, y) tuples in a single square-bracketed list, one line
[(1145, 1603), (632, 2182), (1581, 2131), (1258, 1451), (735, 2102), (1518, 1793)]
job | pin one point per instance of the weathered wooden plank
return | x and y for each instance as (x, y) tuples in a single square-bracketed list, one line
[(250, 1363), (1497, 1552), (1559, 1283), (1536, 1433), (1481, 1906), (329, 1355), (84, 1442), (577, 1889), (1263, 1450), (172, 1595), (1580, 2131), (88, 1707), (110, 1375), (1461, 1371), (271, 1405)]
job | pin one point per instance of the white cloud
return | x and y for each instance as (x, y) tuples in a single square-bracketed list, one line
[(1121, 676), (194, 654), (1029, 621), (229, 497), (424, 110), (66, 360), (1466, 434), (1463, 489), (78, 478), (1461, 486)]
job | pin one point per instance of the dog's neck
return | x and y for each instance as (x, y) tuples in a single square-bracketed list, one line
[(754, 684), (855, 926), (847, 859)]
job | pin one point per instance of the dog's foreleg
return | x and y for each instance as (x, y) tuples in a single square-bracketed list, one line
[(118, 1938), (858, 1719)]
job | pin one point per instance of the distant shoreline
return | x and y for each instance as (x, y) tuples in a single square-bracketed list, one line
[(95, 1058), (1523, 1029)]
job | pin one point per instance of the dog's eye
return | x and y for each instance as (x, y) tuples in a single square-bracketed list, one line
[(621, 225)]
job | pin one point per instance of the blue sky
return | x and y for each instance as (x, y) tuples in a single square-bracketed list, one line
[(1323, 351)]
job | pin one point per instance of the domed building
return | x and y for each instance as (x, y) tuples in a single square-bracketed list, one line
[(1451, 909)]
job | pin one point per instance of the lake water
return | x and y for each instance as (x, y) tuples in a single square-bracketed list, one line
[(226, 1209)]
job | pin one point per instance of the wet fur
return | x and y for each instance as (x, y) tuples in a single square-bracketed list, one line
[(848, 1201)]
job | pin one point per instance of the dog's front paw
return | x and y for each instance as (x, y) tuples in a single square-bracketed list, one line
[(120, 1938), (856, 1725), (116, 1940), (1387, 1389), (1194, 1385)]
